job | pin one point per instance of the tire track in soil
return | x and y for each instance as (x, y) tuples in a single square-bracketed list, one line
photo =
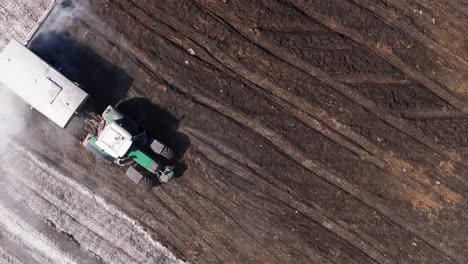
[(274, 139), (395, 95), (359, 79), (169, 203), (109, 233), (449, 9), (315, 213), (212, 190), (400, 97), (399, 21), (68, 225), (212, 194), (449, 128), (12, 253), (9, 258), (394, 162), (370, 90), (219, 250), (455, 11), (386, 51), (397, 163), (292, 199), (16, 22), (344, 89), (43, 247), (397, 123), (430, 26), (262, 201)]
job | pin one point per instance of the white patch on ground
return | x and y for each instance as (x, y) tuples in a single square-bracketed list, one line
[(15, 226), (98, 227), (12, 117), (17, 18)]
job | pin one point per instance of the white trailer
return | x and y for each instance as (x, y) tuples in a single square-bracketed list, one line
[(39, 84), (36, 82)]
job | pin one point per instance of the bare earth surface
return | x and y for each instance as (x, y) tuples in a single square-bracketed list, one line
[(307, 132)]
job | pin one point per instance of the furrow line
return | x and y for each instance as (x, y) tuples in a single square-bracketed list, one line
[(384, 52), (178, 210), (310, 115), (95, 244), (317, 168), (297, 203), (240, 171), (222, 187), (414, 33), (33, 239), (296, 61), (217, 202), (284, 146), (431, 114), (52, 177), (49, 195), (315, 213), (12, 251), (283, 98), (8, 258), (280, 143), (289, 150), (451, 12), (380, 79), (196, 225), (367, 150)]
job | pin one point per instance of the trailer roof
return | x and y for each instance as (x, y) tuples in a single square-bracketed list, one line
[(40, 85)]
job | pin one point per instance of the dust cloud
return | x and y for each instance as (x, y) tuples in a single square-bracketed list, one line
[(64, 15), (13, 117)]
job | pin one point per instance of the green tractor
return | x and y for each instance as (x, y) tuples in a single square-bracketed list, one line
[(120, 141)]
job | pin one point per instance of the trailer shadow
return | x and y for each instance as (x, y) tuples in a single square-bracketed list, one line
[(106, 83), (160, 124)]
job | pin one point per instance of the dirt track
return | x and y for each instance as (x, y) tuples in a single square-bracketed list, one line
[(309, 131)]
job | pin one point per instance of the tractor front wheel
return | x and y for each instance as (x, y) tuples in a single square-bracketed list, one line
[(139, 177)]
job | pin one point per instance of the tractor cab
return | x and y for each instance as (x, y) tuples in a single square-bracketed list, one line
[(114, 140), (119, 141)]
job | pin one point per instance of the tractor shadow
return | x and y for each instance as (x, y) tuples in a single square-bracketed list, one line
[(106, 83), (160, 124)]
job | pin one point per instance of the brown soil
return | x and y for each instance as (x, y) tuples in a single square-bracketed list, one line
[(308, 131)]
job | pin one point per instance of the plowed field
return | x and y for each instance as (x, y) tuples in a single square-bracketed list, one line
[(307, 131)]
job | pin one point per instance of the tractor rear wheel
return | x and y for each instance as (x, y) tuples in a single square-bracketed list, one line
[(161, 149), (146, 182), (167, 153)]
